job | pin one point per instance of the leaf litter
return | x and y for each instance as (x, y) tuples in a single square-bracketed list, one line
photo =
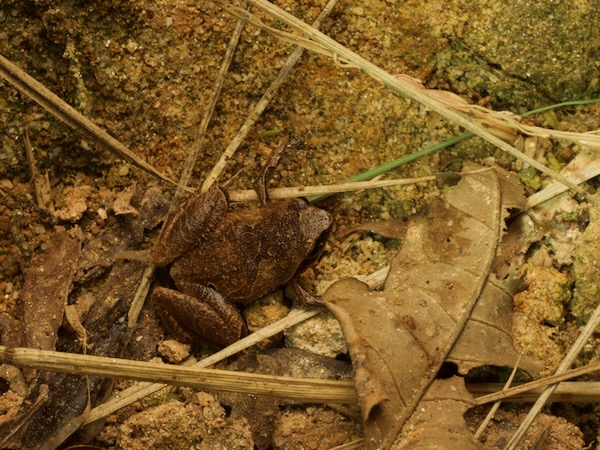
[(49, 418)]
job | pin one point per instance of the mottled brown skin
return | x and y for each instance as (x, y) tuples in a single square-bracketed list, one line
[(220, 256)]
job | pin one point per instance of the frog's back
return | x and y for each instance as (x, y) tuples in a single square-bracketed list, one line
[(255, 250)]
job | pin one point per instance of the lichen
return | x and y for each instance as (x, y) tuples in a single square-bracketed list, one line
[(548, 290)]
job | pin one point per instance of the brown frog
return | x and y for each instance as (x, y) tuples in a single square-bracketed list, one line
[(219, 256)]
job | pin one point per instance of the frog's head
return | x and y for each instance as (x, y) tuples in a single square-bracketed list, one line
[(316, 225)]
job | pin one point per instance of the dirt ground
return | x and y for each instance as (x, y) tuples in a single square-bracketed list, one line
[(143, 70)]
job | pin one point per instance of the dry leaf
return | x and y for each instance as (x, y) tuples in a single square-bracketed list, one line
[(438, 423), (107, 335), (47, 285), (11, 335), (487, 339), (399, 338)]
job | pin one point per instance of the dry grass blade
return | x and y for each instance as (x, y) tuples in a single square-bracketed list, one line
[(305, 191), (503, 120), (351, 445), (140, 296), (523, 388), (490, 415), (566, 392), (394, 83), (580, 169), (299, 389), (41, 183), (56, 106), (210, 107)]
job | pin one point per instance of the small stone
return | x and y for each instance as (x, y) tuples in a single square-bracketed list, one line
[(123, 170), (102, 213), (6, 184), (173, 351), (321, 335)]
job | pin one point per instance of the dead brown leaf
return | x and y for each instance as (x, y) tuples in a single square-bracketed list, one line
[(47, 285), (438, 422), (399, 338), (69, 394), (11, 335), (486, 339)]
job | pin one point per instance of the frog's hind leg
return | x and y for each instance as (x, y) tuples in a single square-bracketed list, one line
[(199, 312)]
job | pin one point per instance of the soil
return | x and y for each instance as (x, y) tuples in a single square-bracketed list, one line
[(143, 70)]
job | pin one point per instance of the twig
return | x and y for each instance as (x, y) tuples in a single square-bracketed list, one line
[(262, 104), (41, 183), (292, 388), (490, 415), (585, 166), (309, 191), (353, 445), (69, 115), (537, 384), (300, 389), (566, 392), (201, 130), (139, 298)]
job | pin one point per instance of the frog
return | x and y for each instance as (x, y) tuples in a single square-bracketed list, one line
[(221, 256)]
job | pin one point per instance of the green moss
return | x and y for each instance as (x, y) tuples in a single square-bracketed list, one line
[(530, 178)]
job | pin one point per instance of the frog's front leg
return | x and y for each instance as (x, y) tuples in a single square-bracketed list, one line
[(301, 296), (199, 311)]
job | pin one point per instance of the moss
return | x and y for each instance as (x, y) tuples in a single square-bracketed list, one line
[(530, 178)]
